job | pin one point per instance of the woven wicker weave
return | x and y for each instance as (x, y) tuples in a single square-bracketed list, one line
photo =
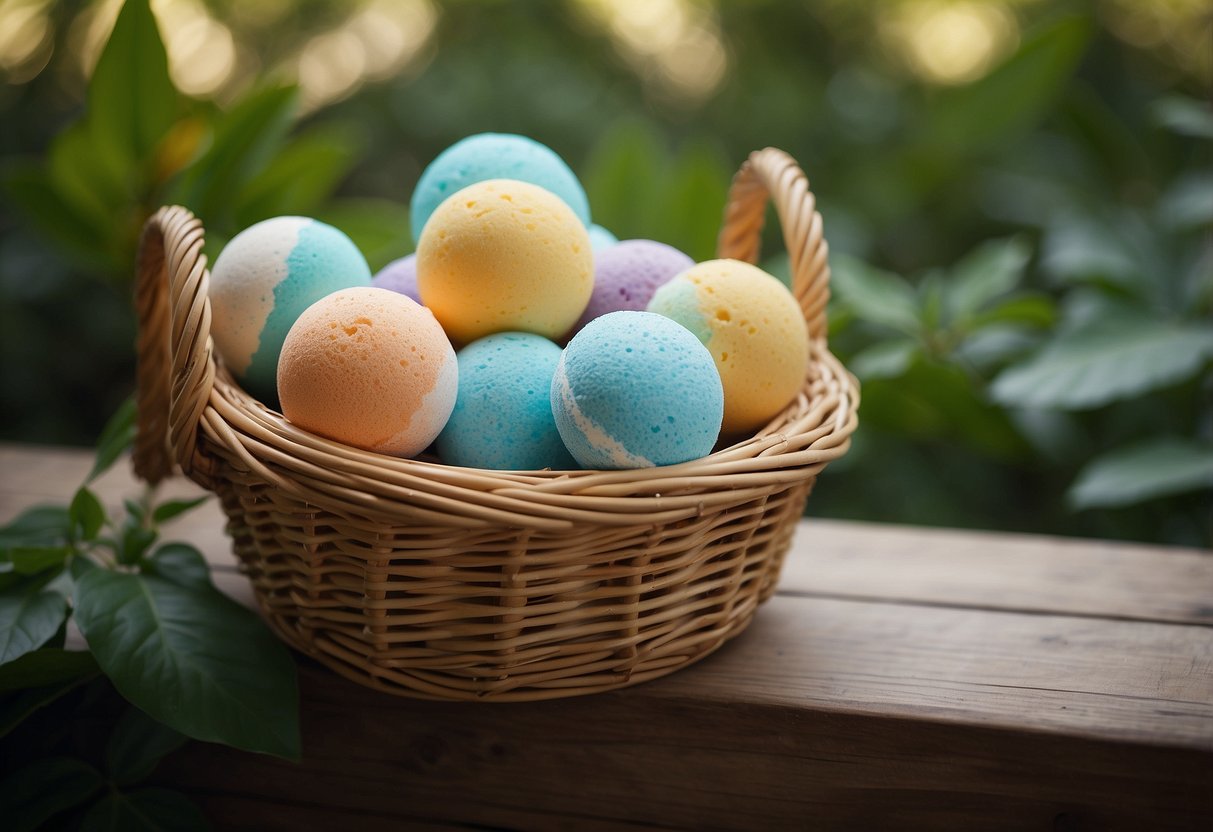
[(434, 581)]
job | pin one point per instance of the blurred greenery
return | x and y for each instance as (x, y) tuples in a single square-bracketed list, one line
[(1018, 197)]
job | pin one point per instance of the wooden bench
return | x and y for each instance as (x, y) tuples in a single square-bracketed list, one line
[(900, 678)]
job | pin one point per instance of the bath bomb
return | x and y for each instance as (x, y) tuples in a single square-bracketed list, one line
[(264, 279), (370, 368), (503, 255), (494, 156), (626, 276), (399, 276), (503, 415), (754, 329), (635, 390), (600, 238)]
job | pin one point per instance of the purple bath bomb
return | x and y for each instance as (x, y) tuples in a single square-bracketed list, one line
[(399, 276), (628, 273)]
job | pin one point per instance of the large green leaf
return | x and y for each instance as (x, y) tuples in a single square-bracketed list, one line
[(1146, 470), (137, 744), (1186, 116), (697, 188), (28, 620), (1015, 94), (246, 139), (988, 272), (38, 526), (38, 791), (132, 103), (182, 564), (884, 359), (875, 296), (1104, 363), (18, 706), (300, 177), (192, 659), (625, 180), (30, 560), (1189, 202), (48, 666), (35, 196), (144, 810)]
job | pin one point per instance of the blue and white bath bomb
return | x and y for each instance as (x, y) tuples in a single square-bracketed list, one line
[(494, 156), (636, 390), (262, 282), (503, 415)]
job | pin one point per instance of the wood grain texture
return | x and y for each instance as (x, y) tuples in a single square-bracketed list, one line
[(907, 678)]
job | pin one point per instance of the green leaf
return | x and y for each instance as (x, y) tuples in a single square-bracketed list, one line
[(1087, 247), (38, 526), (36, 197), (300, 177), (19, 706), (885, 359), (87, 514), (168, 510), (182, 564), (38, 791), (988, 272), (30, 560), (1146, 470), (116, 437), (135, 542), (48, 666), (137, 744), (625, 180), (1103, 363), (1012, 97), (144, 810), (193, 659), (131, 101), (28, 620), (1024, 310), (1185, 116), (247, 137), (374, 225), (1189, 202), (875, 296), (695, 194), (89, 174)]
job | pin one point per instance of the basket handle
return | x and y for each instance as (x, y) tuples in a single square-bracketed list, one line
[(774, 174), (175, 367)]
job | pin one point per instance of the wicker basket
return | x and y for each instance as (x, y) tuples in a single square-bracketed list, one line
[(433, 581)]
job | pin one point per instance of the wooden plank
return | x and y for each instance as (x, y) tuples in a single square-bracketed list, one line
[(892, 681), (649, 758), (1000, 571)]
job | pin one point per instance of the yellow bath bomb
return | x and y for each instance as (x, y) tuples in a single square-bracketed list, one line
[(370, 368), (503, 255), (754, 329)]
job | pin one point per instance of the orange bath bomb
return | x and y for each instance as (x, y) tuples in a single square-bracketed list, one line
[(370, 368)]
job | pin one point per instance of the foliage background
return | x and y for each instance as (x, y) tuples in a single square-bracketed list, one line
[(1018, 196)]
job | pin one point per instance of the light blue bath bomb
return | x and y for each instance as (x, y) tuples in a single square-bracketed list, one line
[(502, 417), (636, 390), (262, 282), (494, 156), (600, 238)]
